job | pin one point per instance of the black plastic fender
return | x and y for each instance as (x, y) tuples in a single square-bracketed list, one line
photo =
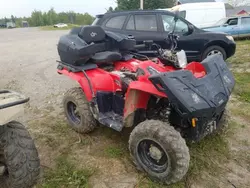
[(198, 97)]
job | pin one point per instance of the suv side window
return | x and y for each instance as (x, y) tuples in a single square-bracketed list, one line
[(245, 21), (116, 22), (145, 22), (168, 24), (131, 23), (181, 27)]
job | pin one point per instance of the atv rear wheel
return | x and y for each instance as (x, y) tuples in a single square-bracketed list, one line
[(19, 160), (77, 111), (160, 151)]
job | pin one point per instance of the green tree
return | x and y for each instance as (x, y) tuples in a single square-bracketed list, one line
[(83, 19), (13, 19), (52, 16), (36, 18), (63, 17), (6, 20), (72, 17), (148, 4), (46, 19), (110, 9), (18, 22)]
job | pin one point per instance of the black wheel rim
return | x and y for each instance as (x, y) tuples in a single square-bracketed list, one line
[(73, 113), (153, 156)]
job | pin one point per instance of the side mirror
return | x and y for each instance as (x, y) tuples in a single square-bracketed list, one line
[(176, 16), (225, 25)]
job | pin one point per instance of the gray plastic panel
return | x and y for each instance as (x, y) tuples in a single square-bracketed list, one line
[(204, 96)]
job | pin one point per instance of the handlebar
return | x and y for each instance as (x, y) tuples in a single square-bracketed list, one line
[(139, 46)]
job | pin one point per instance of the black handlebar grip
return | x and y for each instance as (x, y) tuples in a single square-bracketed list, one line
[(139, 46)]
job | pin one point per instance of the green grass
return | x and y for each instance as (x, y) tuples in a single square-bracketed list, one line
[(51, 28), (66, 175), (114, 152), (242, 110), (242, 88), (242, 52), (208, 155)]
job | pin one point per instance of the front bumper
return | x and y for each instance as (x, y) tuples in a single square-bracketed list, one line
[(231, 49), (202, 98), (205, 126)]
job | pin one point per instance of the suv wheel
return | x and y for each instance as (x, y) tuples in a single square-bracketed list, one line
[(212, 50)]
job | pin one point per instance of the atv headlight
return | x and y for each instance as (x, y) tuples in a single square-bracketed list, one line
[(230, 38)]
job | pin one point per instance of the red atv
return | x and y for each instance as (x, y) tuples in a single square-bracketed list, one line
[(165, 100)]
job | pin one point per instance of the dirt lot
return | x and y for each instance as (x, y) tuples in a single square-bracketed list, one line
[(101, 159)]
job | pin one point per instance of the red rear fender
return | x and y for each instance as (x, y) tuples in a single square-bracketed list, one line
[(99, 80)]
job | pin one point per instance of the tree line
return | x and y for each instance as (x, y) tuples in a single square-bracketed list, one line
[(39, 18), (148, 4)]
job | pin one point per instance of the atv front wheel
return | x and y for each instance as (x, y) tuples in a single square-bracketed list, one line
[(160, 151), (19, 160), (77, 111)]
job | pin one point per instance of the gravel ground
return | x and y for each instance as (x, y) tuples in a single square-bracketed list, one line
[(28, 64)]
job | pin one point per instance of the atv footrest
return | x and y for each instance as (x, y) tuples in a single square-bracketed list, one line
[(111, 120)]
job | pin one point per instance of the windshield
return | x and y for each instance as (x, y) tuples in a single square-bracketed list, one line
[(221, 22), (95, 21)]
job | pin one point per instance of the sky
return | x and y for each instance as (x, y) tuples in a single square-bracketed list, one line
[(22, 8), (25, 7)]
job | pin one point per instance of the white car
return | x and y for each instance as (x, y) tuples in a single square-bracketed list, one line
[(60, 25)]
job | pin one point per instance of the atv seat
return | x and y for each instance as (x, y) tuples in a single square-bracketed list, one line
[(91, 34), (106, 57), (91, 44)]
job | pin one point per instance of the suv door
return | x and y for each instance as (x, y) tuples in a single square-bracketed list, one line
[(244, 30), (143, 26), (190, 43), (232, 26)]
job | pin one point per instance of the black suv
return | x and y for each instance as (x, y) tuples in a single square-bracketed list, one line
[(156, 24)]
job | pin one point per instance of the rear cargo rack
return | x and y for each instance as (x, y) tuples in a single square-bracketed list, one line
[(10, 99)]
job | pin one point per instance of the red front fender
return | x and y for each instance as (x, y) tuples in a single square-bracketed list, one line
[(137, 97)]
